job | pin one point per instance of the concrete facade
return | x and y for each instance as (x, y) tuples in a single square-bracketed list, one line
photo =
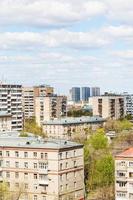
[(108, 106), (47, 108), (5, 122), (29, 96), (42, 170), (124, 175), (11, 103), (66, 128)]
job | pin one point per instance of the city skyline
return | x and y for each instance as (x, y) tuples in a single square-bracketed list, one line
[(67, 44)]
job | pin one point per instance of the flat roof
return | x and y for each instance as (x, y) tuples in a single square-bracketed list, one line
[(74, 120), (4, 114), (13, 139)]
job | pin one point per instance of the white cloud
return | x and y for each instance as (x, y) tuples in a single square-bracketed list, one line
[(48, 13), (60, 38), (120, 10)]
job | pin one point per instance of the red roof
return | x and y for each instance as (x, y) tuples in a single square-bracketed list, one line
[(127, 153)]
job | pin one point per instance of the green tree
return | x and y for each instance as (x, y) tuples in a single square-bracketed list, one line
[(30, 126)]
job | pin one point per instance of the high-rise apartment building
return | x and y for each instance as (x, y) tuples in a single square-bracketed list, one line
[(95, 91), (108, 106), (29, 95), (38, 169), (85, 91), (128, 106), (28, 102), (51, 107), (75, 94), (124, 175), (11, 103)]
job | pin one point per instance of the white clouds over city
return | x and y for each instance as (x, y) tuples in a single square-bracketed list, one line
[(78, 41)]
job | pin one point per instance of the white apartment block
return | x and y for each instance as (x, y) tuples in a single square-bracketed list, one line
[(47, 108), (29, 95), (128, 100), (42, 169), (5, 122), (28, 102), (124, 175), (66, 128), (108, 106), (11, 102)]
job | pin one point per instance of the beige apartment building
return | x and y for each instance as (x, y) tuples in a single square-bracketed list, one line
[(124, 175), (108, 106), (66, 128), (42, 169), (29, 95), (47, 108), (5, 122)]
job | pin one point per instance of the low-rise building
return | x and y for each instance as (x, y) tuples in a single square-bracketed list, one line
[(47, 108), (66, 128), (108, 106), (5, 122), (124, 175), (42, 169)]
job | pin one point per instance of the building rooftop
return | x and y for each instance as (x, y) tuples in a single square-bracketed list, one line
[(13, 139), (127, 153), (74, 120), (4, 114)]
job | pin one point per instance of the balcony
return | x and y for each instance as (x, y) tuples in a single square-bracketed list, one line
[(43, 182), (43, 171)]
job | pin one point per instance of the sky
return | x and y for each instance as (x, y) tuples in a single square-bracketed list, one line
[(67, 43)]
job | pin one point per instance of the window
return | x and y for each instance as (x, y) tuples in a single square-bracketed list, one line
[(74, 185), (66, 186), (66, 165), (61, 177), (130, 174), (17, 164), (16, 153), (16, 175), (43, 165), (1, 163), (46, 156), (35, 186), (42, 156), (130, 164), (74, 153), (35, 197), (66, 176), (17, 185), (7, 153), (35, 176), (60, 156), (60, 166), (26, 154), (26, 186), (35, 165), (7, 163), (7, 174), (25, 176), (66, 154), (25, 164), (0, 153), (35, 154), (74, 163)]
